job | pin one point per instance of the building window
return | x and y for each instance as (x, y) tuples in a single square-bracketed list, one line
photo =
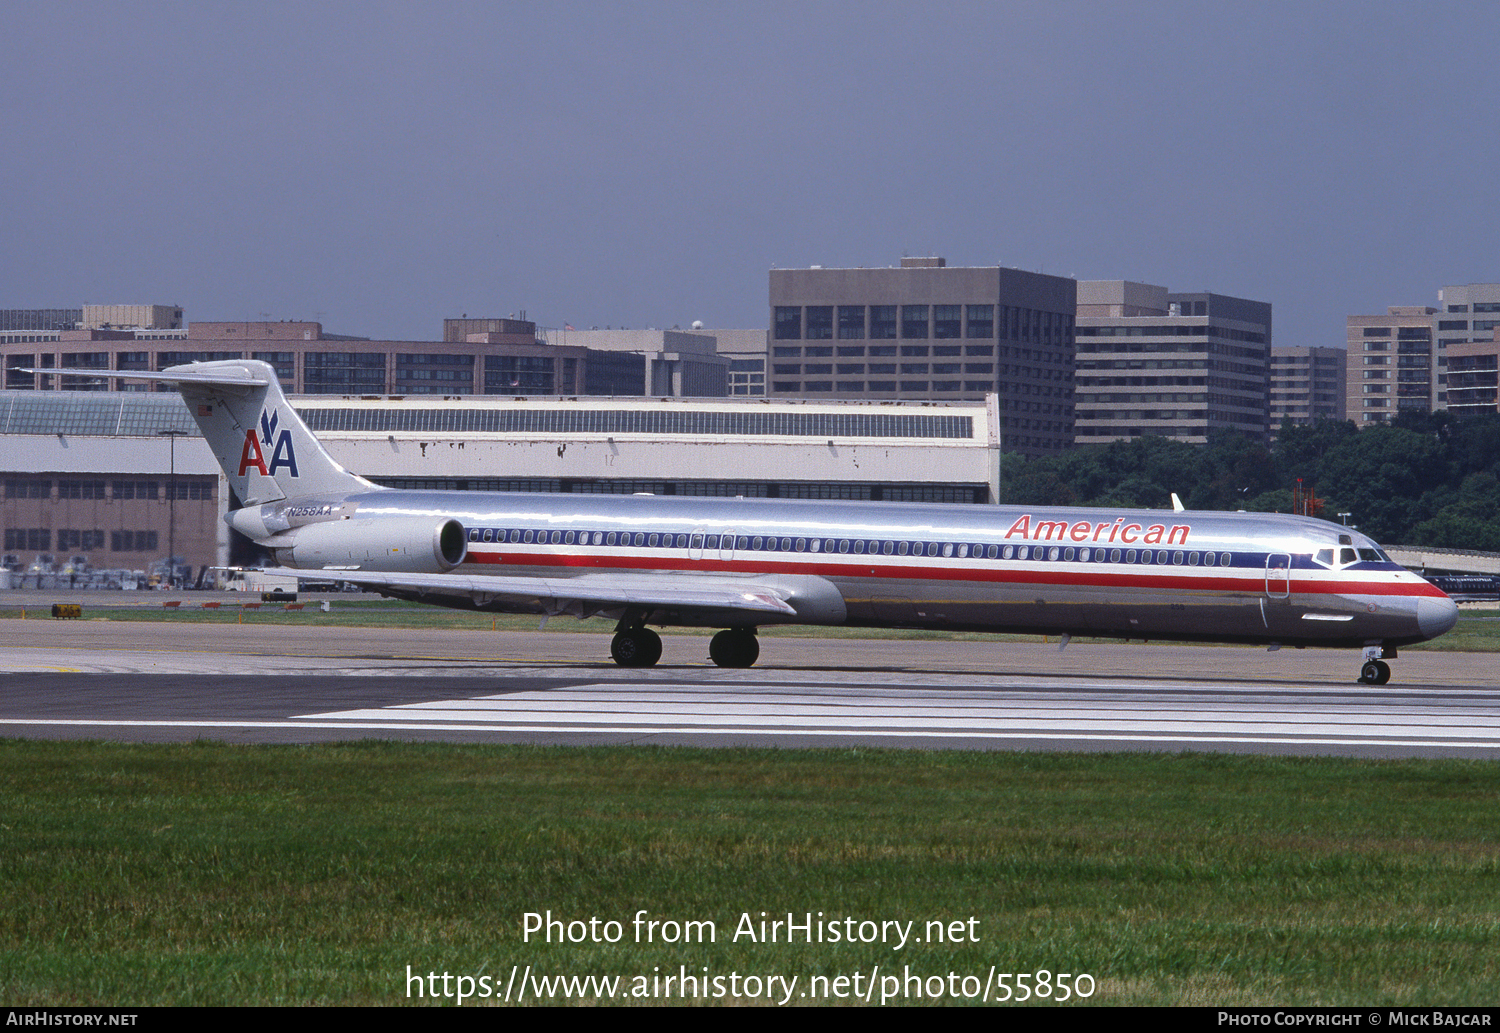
[(819, 322), (947, 322), (519, 375), (788, 323), (326, 373), (914, 322), (981, 321), (851, 322), (882, 323)]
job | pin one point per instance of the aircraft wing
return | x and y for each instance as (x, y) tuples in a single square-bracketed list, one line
[(753, 600)]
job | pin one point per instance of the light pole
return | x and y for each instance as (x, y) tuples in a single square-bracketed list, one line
[(172, 436)]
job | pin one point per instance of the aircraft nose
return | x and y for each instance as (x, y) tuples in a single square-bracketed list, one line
[(1436, 616)]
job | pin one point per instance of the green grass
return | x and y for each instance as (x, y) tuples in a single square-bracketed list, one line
[(218, 874)]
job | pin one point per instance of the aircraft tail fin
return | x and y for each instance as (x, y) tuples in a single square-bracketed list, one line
[(264, 448)]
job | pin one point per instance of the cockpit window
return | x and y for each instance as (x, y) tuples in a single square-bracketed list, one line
[(1373, 556), (1346, 556), (1324, 556)]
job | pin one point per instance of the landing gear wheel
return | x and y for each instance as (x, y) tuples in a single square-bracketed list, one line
[(734, 648), (1375, 672), (640, 647)]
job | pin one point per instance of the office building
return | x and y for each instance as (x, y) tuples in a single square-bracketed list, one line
[(1307, 385), (926, 331), (1391, 365), (1181, 366)]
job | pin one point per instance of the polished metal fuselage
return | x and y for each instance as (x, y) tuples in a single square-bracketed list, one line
[(1145, 574)]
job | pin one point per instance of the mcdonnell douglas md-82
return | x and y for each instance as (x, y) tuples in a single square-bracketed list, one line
[(737, 564)]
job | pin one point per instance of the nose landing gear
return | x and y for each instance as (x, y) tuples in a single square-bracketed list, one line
[(1375, 670)]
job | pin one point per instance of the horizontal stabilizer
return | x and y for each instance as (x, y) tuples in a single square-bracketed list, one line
[(233, 376)]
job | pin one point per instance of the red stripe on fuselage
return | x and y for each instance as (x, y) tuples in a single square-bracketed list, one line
[(1174, 577)]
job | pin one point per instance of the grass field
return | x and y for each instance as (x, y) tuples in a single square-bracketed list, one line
[(218, 874)]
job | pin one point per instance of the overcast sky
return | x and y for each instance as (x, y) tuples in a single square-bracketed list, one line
[(381, 166)]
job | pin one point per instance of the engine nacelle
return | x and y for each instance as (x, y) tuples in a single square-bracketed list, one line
[(397, 545)]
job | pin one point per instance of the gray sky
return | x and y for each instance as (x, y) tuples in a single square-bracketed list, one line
[(379, 166)]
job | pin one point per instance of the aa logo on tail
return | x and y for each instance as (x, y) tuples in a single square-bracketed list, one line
[(283, 454)]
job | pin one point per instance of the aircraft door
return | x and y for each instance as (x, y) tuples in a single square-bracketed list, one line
[(1278, 575), (695, 545)]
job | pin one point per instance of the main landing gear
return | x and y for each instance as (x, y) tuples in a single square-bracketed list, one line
[(1375, 670), (736, 647), (634, 644)]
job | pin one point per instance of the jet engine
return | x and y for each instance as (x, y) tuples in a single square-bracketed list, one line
[(398, 545)]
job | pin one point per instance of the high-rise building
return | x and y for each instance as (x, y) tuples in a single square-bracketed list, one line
[(1390, 364), (927, 331), (1177, 365), (1307, 384)]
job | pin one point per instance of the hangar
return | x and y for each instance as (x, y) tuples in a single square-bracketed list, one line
[(124, 477)]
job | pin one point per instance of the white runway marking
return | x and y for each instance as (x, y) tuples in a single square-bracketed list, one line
[(889, 713)]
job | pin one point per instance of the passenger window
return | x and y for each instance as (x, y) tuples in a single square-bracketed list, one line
[(1177, 558), (1023, 552), (1084, 554), (1114, 555)]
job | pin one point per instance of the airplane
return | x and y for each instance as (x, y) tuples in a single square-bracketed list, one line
[(740, 564)]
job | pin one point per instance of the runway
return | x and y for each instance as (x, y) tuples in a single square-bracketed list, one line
[(165, 682)]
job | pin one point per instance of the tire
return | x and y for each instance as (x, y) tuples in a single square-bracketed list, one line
[(734, 648), (639, 648)]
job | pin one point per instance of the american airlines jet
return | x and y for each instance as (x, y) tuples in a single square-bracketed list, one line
[(739, 564)]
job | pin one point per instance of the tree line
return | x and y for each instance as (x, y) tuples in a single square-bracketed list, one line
[(1429, 479)]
